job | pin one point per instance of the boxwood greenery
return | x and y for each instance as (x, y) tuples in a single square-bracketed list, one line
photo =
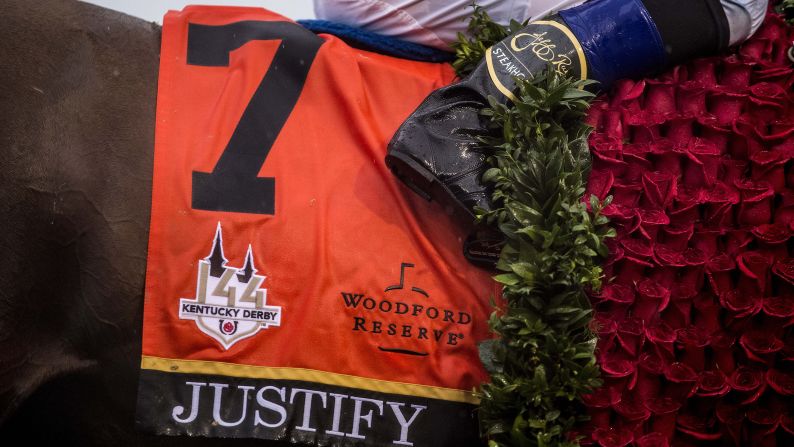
[(542, 358)]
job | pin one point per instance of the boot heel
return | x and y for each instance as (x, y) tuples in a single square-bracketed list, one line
[(420, 180), (412, 174)]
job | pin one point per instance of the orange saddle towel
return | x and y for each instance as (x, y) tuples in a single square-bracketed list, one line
[(295, 290)]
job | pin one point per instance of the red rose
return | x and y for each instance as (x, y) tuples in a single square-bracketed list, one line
[(766, 414), (606, 152), (630, 270), (779, 307), (787, 354), (748, 382), (660, 97), (631, 333), (711, 130), (733, 170), (707, 313), (599, 184), (632, 409), (644, 128), (659, 190), (722, 346), (781, 382), (692, 275), (768, 101), (784, 213), (679, 312), (769, 92), (729, 413), (698, 427), (650, 368), (760, 346), (768, 166), (783, 271), (670, 262), (612, 262), (636, 254), (651, 221), (685, 207), (777, 74), (735, 73), (662, 337), (626, 93), (736, 241), (595, 113), (692, 341), (726, 106), (755, 207), (612, 122), (677, 236), (615, 299), (754, 271), (775, 132), (702, 165), (719, 202), (712, 384), (638, 162), (682, 381), (605, 329), (772, 234), (731, 417), (755, 49), (653, 298), (787, 422), (664, 411), (613, 437), (679, 131), (626, 194), (618, 373), (703, 72), (718, 271), (668, 257), (623, 218), (764, 419), (654, 439), (741, 305), (706, 240), (599, 403), (772, 239), (747, 140)]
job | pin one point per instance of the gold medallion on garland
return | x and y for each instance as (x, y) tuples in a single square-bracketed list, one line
[(693, 326)]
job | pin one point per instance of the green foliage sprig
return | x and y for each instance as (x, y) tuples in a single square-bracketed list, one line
[(786, 7), (543, 358), (470, 51)]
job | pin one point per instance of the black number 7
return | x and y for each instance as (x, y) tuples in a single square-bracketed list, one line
[(233, 184)]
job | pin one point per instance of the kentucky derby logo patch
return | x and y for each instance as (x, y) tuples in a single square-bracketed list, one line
[(229, 305)]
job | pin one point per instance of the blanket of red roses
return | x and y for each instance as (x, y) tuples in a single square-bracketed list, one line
[(695, 330)]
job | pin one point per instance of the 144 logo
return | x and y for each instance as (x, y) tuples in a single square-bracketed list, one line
[(229, 305)]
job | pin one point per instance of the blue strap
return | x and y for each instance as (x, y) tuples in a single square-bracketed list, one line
[(370, 41), (619, 39)]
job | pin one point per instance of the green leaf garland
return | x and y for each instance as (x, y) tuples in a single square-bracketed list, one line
[(543, 358)]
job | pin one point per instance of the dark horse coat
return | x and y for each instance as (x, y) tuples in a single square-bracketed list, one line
[(77, 101)]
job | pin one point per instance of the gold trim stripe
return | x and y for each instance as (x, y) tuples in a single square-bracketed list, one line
[(307, 375), (579, 51), (499, 86)]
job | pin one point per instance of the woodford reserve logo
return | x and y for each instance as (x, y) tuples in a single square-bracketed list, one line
[(229, 305), (431, 323)]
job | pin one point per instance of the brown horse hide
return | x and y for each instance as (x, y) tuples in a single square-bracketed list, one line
[(77, 100)]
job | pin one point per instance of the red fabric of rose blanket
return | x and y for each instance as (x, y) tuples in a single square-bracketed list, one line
[(696, 343)]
